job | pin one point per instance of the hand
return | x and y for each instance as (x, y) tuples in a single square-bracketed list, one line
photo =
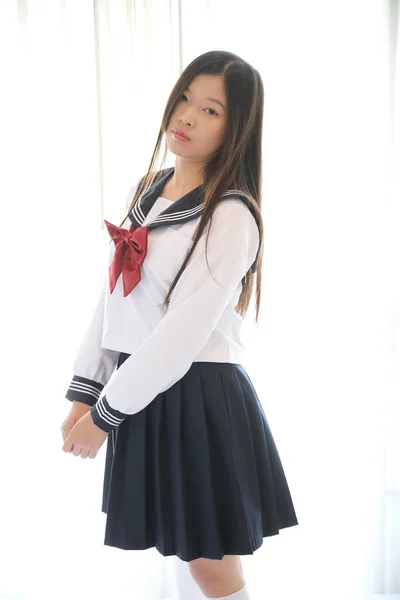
[(85, 438), (78, 409)]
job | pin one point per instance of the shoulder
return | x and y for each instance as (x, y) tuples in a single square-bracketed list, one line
[(235, 213)]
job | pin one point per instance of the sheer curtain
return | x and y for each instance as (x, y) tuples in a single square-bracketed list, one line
[(83, 89)]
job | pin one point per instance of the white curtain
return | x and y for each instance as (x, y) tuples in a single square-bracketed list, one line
[(83, 87)]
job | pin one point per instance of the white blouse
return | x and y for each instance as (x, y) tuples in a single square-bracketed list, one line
[(200, 324)]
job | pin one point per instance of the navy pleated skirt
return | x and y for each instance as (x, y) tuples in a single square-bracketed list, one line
[(196, 473)]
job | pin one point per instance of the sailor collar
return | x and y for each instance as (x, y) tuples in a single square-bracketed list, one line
[(186, 208), (131, 245)]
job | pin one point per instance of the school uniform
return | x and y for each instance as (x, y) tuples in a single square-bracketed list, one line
[(191, 464)]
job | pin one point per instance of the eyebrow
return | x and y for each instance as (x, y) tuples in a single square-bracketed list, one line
[(212, 99)]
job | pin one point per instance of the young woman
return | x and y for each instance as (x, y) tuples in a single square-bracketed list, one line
[(192, 468)]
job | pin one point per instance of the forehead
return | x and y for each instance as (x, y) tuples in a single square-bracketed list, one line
[(208, 85)]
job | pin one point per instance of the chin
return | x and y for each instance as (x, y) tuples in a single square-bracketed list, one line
[(176, 148)]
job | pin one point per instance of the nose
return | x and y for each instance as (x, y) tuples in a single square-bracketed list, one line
[(184, 118), (186, 121)]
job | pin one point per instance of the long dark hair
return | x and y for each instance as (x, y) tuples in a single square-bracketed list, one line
[(235, 165)]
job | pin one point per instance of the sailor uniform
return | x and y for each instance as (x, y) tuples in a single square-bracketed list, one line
[(191, 464)]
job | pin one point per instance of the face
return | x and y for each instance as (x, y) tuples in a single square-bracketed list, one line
[(200, 117)]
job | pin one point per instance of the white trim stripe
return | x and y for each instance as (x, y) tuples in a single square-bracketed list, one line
[(229, 192), (74, 388), (137, 210), (105, 415), (178, 215), (86, 385)]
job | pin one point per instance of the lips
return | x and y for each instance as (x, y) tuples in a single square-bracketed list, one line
[(181, 133)]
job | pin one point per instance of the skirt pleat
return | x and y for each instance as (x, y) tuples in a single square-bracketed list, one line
[(196, 473)]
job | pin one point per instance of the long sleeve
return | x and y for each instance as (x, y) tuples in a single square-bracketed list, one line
[(197, 303), (94, 365)]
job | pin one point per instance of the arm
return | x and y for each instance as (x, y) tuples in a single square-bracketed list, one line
[(94, 365), (197, 304)]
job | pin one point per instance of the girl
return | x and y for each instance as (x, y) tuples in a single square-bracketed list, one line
[(192, 468)]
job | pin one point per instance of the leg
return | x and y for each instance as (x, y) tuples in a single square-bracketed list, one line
[(218, 578), (186, 587)]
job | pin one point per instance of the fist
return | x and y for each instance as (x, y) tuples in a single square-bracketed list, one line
[(77, 411)]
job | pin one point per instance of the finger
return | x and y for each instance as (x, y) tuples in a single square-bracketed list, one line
[(65, 433), (85, 452), (66, 428), (68, 445), (76, 450), (92, 453)]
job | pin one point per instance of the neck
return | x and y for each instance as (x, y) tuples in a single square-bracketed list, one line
[(187, 176)]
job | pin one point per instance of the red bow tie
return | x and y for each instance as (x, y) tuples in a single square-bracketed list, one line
[(130, 252)]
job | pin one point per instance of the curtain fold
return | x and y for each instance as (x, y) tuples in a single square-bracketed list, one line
[(390, 534)]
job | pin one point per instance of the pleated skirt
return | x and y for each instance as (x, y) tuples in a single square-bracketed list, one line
[(196, 473)]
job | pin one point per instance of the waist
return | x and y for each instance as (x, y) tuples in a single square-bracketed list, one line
[(228, 353), (210, 364)]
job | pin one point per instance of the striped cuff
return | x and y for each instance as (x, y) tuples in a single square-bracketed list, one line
[(84, 390), (106, 417)]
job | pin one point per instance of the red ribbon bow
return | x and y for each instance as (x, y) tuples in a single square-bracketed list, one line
[(129, 255)]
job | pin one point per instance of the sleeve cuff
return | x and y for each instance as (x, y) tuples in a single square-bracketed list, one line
[(84, 390), (106, 417)]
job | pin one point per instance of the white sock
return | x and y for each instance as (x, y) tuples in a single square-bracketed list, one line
[(242, 594)]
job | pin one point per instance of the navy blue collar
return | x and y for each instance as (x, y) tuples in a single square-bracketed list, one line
[(184, 209)]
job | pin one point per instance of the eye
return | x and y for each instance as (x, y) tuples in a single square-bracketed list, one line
[(215, 112)]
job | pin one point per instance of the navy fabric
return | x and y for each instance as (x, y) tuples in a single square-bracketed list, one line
[(196, 473)]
